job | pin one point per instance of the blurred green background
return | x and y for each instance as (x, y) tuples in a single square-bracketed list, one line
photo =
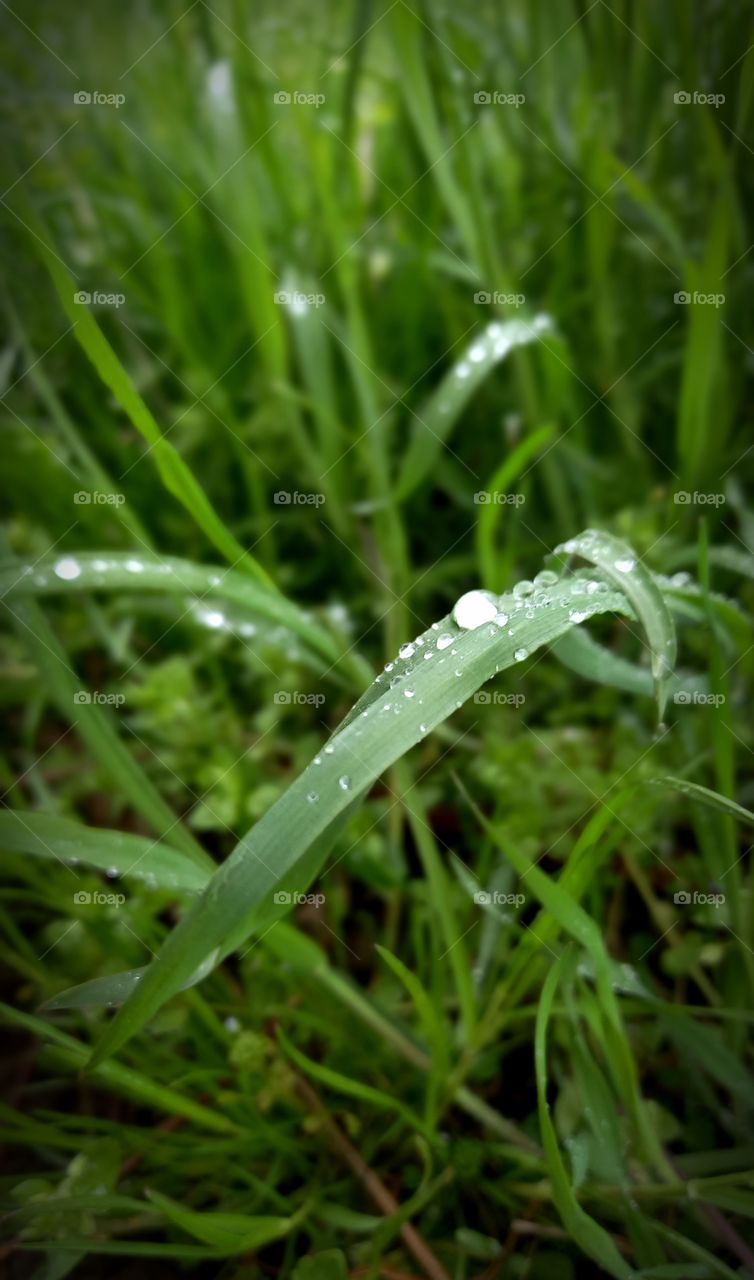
[(375, 303)]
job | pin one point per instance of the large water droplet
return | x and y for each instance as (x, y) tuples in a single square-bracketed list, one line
[(444, 640), (520, 654), (474, 609), (406, 651), (625, 564), (344, 782), (68, 568)]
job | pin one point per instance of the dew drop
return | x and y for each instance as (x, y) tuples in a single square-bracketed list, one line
[(577, 615), (444, 640), (422, 728), (546, 578), (408, 693), (625, 565), (344, 782), (406, 651), (477, 353), (68, 568), (474, 609), (329, 749), (134, 566), (312, 797), (463, 370), (523, 589), (520, 654)]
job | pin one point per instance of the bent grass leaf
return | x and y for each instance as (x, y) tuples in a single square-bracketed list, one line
[(622, 568), (434, 677), (231, 1232), (433, 424), (588, 1233), (45, 835), (175, 473)]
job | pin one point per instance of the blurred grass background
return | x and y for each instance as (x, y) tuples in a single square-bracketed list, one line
[(407, 190)]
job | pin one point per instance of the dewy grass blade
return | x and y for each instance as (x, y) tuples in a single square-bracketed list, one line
[(176, 474), (623, 569), (434, 676), (436, 419)]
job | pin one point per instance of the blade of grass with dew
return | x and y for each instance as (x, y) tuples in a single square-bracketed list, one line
[(119, 571), (619, 564), (175, 472), (44, 835), (357, 755), (436, 419), (587, 1233)]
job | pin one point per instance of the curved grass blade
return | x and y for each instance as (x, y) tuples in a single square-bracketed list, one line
[(45, 835), (231, 1232), (461, 658), (124, 571), (176, 474), (587, 1233), (433, 424), (620, 565)]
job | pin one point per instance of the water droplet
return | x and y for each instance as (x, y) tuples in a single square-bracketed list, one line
[(344, 782), (444, 640), (134, 566), (463, 370), (477, 353), (212, 619), (422, 728), (577, 615), (408, 693), (501, 619), (389, 666), (329, 749), (474, 609), (520, 654), (317, 760), (68, 568), (406, 651), (546, 578), (523, 589), (312, 797), (626, 564)]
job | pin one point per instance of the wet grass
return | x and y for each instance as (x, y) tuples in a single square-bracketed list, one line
[(446, 972)]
